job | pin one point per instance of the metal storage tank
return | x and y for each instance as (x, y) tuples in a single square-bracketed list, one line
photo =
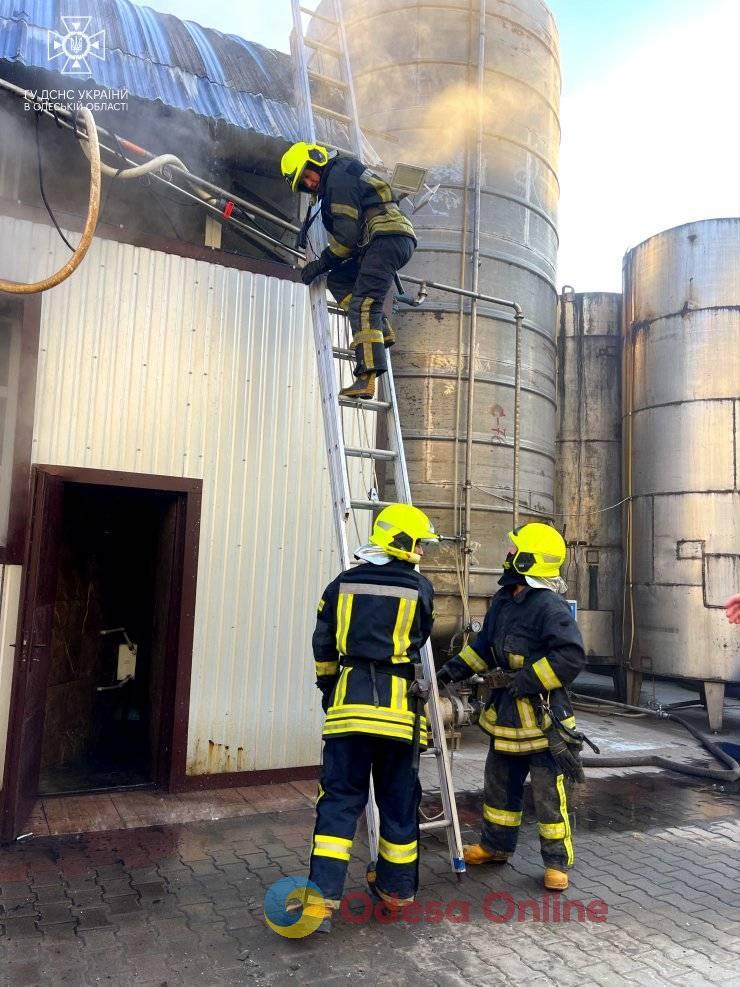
[(682, 455), (424, 60), (589, 478)]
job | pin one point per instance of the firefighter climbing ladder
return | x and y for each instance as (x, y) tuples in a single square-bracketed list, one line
[(346, 416)]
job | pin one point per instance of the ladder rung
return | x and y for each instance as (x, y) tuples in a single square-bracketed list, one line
[(342, 354), (319, 17), (370, 505), (337, 147), (327, 79), (320, 46), (365, 405), (385, 455), (427, 827), (334, 114)]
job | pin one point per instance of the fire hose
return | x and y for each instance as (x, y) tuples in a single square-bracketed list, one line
[(458, 713), (93, 209), (730, 774)]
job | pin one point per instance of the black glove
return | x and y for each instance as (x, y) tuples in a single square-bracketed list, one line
[(418, 689), (443, 678), (518, 686), (566, 752), (326, 695), (314, 269)]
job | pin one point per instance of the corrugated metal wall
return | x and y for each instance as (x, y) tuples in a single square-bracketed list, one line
[(153, 363)]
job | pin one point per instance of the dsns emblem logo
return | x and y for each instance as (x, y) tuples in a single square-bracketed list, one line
[(76, 46), (284, 911)]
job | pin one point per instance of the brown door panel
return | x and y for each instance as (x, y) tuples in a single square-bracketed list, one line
[(36, 619)]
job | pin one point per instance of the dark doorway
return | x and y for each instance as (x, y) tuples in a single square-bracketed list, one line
[(108, 646), (102, 677)]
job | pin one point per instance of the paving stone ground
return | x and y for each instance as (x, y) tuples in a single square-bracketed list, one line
[(182, 904)]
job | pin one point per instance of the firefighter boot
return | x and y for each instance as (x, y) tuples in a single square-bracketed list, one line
[(474, 853), (388, 904), (363, 388), (555, 880), (319, 910)]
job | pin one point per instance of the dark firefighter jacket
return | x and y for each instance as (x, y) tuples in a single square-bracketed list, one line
[(535, 633), (356, 206), (371, 623)]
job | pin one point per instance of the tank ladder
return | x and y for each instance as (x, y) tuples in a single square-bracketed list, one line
[(322, 68)]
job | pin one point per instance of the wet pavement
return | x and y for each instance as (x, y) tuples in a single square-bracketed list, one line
[(176, 898), (656, 856)]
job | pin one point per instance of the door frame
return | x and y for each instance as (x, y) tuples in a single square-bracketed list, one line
[(171, 757)]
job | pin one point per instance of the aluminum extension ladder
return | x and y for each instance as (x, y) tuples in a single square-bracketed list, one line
[(324, 62)]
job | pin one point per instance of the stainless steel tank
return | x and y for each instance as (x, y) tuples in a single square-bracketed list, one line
[(415, 72), (589, 476), (681, 433)]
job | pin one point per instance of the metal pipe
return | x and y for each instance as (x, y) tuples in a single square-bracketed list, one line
[(456, 515), (248, 231), (518, 319), (480, 296), (59, 110), (475, 281)]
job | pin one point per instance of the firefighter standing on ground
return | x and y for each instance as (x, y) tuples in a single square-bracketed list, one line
[(372, 622), (530, 632), (369, 240)]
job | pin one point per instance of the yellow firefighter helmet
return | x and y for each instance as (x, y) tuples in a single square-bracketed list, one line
[(399, 527), (298, 157), (540, 550)]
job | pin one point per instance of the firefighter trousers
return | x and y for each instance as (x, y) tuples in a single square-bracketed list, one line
[(505, 775), (348, 764), (360, 286)]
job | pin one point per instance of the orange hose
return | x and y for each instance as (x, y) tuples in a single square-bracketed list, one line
[(91, 222)]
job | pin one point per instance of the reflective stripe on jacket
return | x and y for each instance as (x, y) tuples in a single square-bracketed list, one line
[(356, 206), (533, 632), (371, 619)]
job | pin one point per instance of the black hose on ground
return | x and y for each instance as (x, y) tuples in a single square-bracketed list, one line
[(655, 760)]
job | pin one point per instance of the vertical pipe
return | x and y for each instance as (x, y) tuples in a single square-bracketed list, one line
[(456, 515), (472, 336), (518, 319)]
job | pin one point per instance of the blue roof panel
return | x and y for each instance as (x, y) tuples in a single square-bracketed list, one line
[(159, 57)]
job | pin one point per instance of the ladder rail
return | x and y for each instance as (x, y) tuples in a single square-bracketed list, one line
[(446, 785), (339, 478), (355, 132), (328, 353), (321, 321)]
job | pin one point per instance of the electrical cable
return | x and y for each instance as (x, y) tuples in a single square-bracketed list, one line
[(91, 221), (548, 514), (52, 217), (165, 212), (200, 184)]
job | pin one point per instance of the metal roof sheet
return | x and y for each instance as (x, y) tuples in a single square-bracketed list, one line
[(159, 57)]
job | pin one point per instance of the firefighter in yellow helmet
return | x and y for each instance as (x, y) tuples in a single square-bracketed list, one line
[(531, 644), (369, 240), (371, 624)]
